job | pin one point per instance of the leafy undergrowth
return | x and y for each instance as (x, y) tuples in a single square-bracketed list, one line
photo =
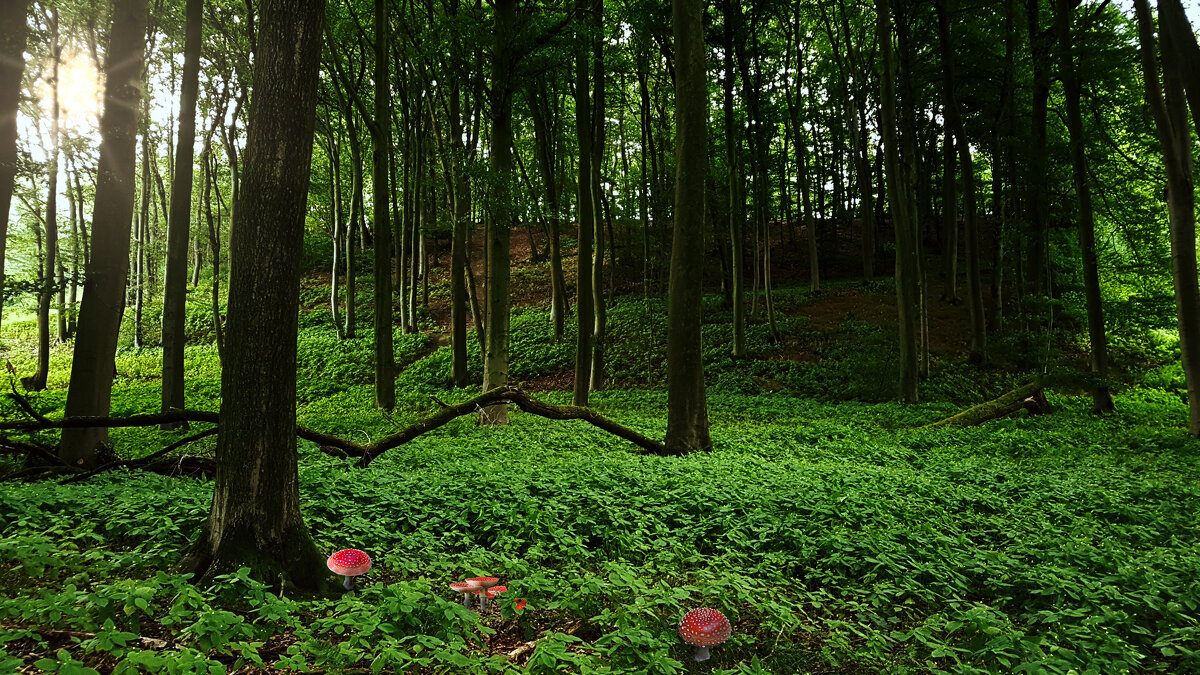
[(837, 537)]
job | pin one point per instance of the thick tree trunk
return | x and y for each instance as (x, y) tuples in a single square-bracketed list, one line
[(385, 364), (13, 27), (104, 288), (1169, 106), (495, 356), (687, 406), (1101, 399), (179, 222), (255, 518)]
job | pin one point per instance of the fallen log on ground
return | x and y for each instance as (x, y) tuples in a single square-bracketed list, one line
[(1030, 396), (335, 445)]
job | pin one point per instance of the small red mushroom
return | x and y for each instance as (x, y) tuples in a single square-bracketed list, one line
[(465, 589), (482, 583), (496, 590), (520, 604), (703, 628), (349, 563)]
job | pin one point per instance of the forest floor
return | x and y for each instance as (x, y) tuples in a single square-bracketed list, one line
[(836, 532)]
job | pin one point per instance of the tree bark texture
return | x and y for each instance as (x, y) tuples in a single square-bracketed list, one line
[(687, 406), (385, 363), (1169, 106), (108, 266), (13, 29), (584, 299), (255, 518), (495, 357), (179, 223), (907, 265), (1101, 398)]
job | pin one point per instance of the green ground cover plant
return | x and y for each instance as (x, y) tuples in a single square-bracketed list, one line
[(835, 532)]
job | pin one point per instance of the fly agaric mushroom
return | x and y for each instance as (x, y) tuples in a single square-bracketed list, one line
[(496, 590), (520, 604), (481, 584), (349, 563), (703, 628), (465, 589)]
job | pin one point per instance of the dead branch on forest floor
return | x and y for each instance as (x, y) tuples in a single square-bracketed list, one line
[(335, 445), (1030, 396)]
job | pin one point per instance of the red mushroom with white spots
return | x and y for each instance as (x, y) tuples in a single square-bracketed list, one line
[(465, 589), (349, 563), (703, 628)]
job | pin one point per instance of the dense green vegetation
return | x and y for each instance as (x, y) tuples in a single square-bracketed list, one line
[(835, 533)]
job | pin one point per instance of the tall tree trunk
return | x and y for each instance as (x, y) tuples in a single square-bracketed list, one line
[(949, 220), (907, 269), (687, 406), (954, 120), (584, 299), (545, 142), (255, 518), (356, 216), (336, 215), (49, 273), (596, 380), (179, 221), (13, 27), (734, 167), (385, 363), (458, 243), (495, 356), (1101, 399), (214, 242), (104, 288), (1168, 103), (1040, 45)]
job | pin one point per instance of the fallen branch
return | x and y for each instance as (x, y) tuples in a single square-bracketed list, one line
[(340, 447), (143, 461), (532, 644), (1029, 397), (52, 633), (522, 401)]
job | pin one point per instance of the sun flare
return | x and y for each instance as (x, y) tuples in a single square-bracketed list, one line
[(79, 92)]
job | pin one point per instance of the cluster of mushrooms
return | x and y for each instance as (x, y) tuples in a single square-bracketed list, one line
[(701, 628), (482, 588)]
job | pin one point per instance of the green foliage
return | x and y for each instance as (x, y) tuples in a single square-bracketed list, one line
[(834, 536)]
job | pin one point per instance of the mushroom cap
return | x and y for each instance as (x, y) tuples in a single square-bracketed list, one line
[(482, 582), (704, 627), (496, 590), (349, 562), (461, 587)]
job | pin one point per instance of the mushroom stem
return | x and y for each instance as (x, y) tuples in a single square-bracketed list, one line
[(467, 600), (702, 653), (348, 584), (483, 600)]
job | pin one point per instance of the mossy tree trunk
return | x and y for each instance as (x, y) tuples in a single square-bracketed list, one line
[(255, 518)]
